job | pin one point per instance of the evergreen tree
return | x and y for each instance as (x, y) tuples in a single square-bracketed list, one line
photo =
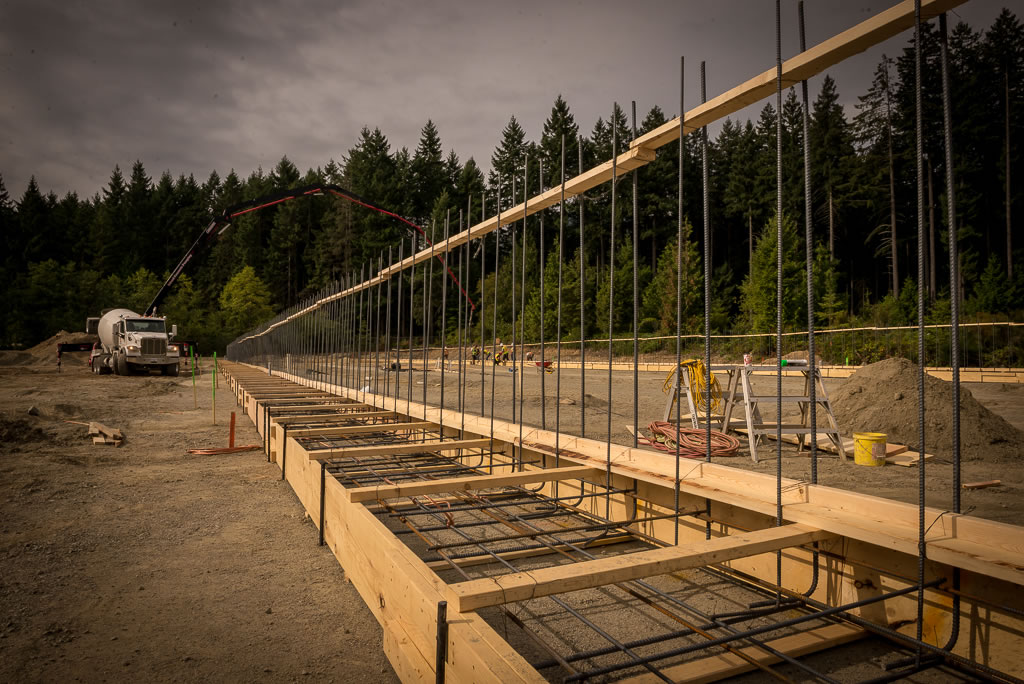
[(758, 294), (659, 297), (507, 162), (107, 237), (283, 258), (832, 156), (429, 174), (874, 131), (138, 217), (560, 122)]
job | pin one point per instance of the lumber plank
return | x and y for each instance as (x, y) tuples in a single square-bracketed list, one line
[(487, 559), (96, 428), (520, 586), (981, 485), (467, 483), (313, 418), (906, 458), (361, 429), (356, 415), (398, 449)]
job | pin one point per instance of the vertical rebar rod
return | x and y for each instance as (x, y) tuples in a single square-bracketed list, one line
[(954, 305), (583, 331), (611, 319), (778, 287), (494, 312), (705, 189), (636, 298), (376, 318), (679, 286), (462, 279), (398, 327), (412, 284), (360, 319), (441, 656), (522, 310), (427, 308), (812, 362), (387, 329), (512, 227), (483, 318), (921, 482), (558, 319), (540, 259), (444, 315)]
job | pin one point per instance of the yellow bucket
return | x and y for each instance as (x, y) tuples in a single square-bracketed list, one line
[(869, 448)]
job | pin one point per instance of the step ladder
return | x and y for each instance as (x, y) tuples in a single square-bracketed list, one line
[(738, 388)]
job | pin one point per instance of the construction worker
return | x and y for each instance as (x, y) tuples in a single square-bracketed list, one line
[(497, 351), (475, 354)]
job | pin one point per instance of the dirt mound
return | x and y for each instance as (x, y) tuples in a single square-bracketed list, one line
[(45, 353), (18, 431), (882, 397)]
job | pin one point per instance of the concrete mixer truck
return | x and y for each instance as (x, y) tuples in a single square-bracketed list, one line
[(130, 343)]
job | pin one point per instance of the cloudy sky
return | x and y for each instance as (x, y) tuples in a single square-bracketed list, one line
[(191, 87)]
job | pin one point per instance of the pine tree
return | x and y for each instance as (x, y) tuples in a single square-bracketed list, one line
[(831, 157), (659, 297), (429, 175), (107, 236), (507, 161), (758, 294), (138, 217), (560, 122), (874, 131)]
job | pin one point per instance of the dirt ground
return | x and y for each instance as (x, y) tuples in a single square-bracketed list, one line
[(145, 563), (1004, 503)]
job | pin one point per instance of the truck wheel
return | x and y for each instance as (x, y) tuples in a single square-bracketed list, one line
[(169, 369), (120, 365)]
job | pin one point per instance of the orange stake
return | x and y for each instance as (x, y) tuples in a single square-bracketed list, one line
[(231, 432)]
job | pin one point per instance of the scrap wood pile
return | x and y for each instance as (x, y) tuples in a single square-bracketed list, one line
[(101, 434)]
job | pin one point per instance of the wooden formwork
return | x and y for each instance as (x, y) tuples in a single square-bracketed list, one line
[(868, 545)]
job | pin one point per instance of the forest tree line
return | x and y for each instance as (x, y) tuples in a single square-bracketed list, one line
[(68, 257)]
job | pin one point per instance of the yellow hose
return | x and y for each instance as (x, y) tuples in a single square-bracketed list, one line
[(697, 372)]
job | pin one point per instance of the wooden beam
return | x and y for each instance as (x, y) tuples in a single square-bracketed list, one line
[(520, 586), (470, 482), (315, 418), (336, 409), (360, 429), (487, 559), (358, 415), (398, 449)]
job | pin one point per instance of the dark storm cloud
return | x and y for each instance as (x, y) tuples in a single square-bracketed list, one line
[(192, 87)]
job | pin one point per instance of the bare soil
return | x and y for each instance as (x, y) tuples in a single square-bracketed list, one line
[(145, 563)]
